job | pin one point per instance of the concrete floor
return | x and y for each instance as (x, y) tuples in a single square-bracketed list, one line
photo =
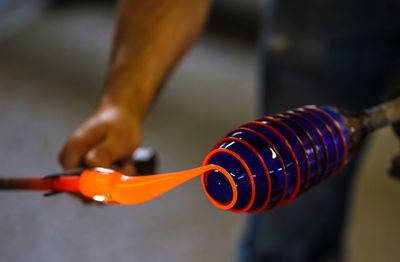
[(51, 74), (374, 231)]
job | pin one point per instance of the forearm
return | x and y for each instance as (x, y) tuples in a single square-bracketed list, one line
[(150, 38)]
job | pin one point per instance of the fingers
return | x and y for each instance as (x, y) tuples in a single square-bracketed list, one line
[(74, 150), (109, 151), (108, 137)]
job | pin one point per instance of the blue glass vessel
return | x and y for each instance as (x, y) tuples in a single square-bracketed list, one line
[(273, 159)]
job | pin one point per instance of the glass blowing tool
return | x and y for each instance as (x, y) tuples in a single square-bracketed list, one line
[(260, 165)]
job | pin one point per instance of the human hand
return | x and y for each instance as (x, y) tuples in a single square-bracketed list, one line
[(108, 137)]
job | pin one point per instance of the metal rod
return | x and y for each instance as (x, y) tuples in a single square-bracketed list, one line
[(382, 115), (67, 183)]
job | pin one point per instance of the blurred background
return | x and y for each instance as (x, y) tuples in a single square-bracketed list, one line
[(53, 57)]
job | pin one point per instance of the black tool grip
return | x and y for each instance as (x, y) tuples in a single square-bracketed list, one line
[(145, 160)]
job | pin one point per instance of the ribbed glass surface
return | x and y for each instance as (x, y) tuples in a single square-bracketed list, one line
[(273, 159)]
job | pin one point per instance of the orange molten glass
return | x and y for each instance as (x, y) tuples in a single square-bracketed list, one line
[(110, 186)]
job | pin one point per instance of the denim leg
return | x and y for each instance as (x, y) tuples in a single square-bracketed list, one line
[(348, 71)]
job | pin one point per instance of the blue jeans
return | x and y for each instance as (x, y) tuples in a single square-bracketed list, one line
[(335, 52)]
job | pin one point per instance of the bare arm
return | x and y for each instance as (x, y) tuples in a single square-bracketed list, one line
[(150, 38)]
